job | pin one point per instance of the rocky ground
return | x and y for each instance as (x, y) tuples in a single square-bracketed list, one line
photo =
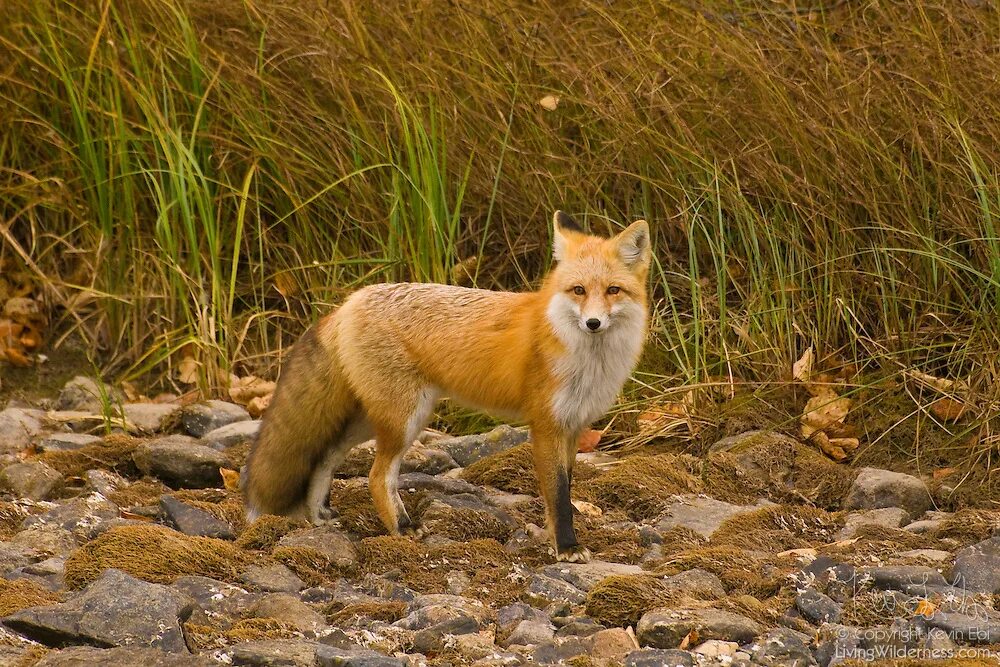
[(127, 548)]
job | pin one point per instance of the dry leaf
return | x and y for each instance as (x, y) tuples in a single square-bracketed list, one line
[(822, 440), (925, 608), (588, 441), (285, 284), (125, 514), (941, 473), (823, 412), (802, 369), (690, 639), (587, 509), (187, 370), (258, 405), (948, 409), (230, 479), (246, 389), (549, 102)]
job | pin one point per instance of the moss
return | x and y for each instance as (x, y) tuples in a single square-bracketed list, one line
[(968, 526), (621, 600), (513, 470), (113, 453), (389, 612), (22, 593), (356, 510), (153, 553), (208, 638), (740, 571), (146, 491), (642, 486), (11, 516), (222, 504), (311, 565), (265, 532), (778, 528), (880, 544)]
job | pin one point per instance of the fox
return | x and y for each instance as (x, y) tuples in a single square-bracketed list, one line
[(377, 366)]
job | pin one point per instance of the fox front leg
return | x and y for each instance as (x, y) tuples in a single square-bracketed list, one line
[(553, 455)]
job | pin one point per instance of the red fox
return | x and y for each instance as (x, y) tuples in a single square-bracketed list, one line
[(556, 358)]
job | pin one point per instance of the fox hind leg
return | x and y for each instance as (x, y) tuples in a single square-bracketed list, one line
[(356, 431)]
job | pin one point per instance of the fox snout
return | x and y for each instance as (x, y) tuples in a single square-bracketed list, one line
[(593, 324)]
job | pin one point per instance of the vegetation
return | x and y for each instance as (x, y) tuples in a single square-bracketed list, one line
[(202, 179)]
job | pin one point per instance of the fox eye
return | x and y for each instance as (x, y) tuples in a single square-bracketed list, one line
[(614, 289), (579, 291)]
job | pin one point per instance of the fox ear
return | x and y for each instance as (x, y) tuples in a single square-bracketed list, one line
[(563, 227), (633, 244)]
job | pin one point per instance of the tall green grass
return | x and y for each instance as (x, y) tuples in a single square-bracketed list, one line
[(208, 177)]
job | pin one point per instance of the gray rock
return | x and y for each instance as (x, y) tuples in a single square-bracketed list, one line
[(816, 607), (329, 541), (49, 573), (902, 576), (13, 556), (434, 638), (418, 481), (86, 517), (201, 418), (30, 479), (181, 462), (236, 433), (784, 647), (331, 656), (695, 583), (123, 656), (559, 651), (934, 555), (150, 417), (192, 520), (275, 653), (83, 393), (468, 449), (104, 482), (612, 644), (64, 442), (580, 627), (290, 610), (418, 458), (666, 627), (530, 633), (838, 643), (874, 488), (274, 578), (586, 575), (115, 610), (47, 539), (701, 514), (427, 611), (510, 615), (216, 602), (735, 443), (924, 526), (888, 517), (543, 590), (656, 657), (977, 567), (18, 428), (441, 514)]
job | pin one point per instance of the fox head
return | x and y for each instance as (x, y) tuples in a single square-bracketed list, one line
[(598, 284)]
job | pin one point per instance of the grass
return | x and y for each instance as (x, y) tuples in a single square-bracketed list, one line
[(204, 179)]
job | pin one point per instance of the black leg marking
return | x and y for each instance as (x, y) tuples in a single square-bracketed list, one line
[(565, 535)]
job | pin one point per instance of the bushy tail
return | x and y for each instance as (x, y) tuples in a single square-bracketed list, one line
[(311, 406)]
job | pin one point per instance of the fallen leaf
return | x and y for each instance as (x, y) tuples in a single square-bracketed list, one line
[(925, 608), (949, 409), (690, 639), (230, 479), (587, 509), (588, 441), (187, 370), (822, 440), (258, 405), (802, 369), (941, 473), (249, 388), (824, 412), (549, 102)]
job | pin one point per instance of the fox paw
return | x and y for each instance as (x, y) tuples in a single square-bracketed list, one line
[(573, 554)]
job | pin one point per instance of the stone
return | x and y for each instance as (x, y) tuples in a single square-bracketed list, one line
[(274, 578), (695, 583), (275, 653), (122, 656), (64, 442), (115, 610), (441, 514), (49, 572), (874, 488), (735, 443), (967, 629), (924, 526), (201, 418), (977, 567), (14, 556), (714, 648), (30, 479), (290, 610), (784, 647), (888, 517), (939, 643), (435, 637), (418, 458), (104, 482), (216, 602), (85, 394), (150, 417), (701, 514), (654, 657), (934, 555), (466, 450), (426, 611), (418, 481), (666, 627), (586, 575), (837, 643), (530, 633), (543, 590), (327, 540), (192, 520), (18, 428), (817, 608), (474, 646), (902, 576), (579, 627), (330, 656), (86, 517), (181, 462), (612, 645), (236, 433), (510, 615), (47, 539), (559, 651)]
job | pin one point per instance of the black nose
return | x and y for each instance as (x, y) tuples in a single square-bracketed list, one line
[(593, 324)]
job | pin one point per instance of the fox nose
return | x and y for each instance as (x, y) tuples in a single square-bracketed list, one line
[(593, 324)]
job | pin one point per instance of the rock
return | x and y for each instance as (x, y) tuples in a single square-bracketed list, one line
[(329, 656), (181, 462), (585, 575), (543, 590), (666, 627), (150, 417), (967, 629), (192, 520), (104, 482), (654, 657), (14, 556), (474, 646), (426, 611), (18, 427), (30, 479), (695, 583), (714, 648), (47, 539), (418, 458), (217, 603), (329, 541), (977, 567), (510, 615), (236, 433), (289, 610), (838, 643), (889, 517), (530, 632), (49, 573), (874, 488), (935, 555), (274, 578), (418, 481), (701, 514), (939, 643), (902, 576), (122, 656), (64, 442), (85, 517), (924, 526), (201, 418), (559, 651), (784, 647), (85, 394), (434, 638), (749, 439), (115, 610), (468, 449), (443, 514), (612, 645), (275, 653), (579, 627), (816, 607)]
